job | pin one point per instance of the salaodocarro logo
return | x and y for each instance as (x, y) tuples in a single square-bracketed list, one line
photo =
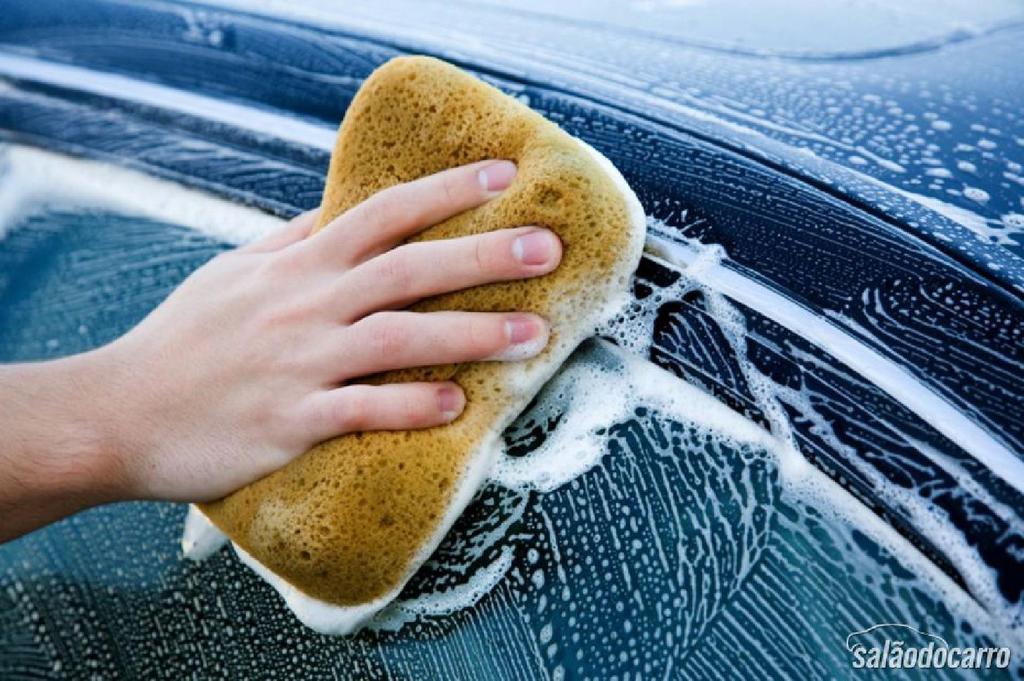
[(901, 646)]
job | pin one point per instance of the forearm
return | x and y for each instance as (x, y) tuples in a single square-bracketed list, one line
[(56, 452)]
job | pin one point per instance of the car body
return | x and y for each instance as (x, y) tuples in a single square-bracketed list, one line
[(835, 251)]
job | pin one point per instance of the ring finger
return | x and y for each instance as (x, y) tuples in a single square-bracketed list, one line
[(395, 340)]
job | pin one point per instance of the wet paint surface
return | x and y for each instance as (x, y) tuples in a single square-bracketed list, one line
[(916, 117), (676, 555), (672, 551)]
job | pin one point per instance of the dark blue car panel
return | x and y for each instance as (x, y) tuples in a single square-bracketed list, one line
[(874, 135), (874, 262)]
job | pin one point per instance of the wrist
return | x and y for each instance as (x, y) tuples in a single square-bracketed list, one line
[(90, 465), (58, 454)]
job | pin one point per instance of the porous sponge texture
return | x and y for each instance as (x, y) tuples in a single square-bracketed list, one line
[(349, 521)]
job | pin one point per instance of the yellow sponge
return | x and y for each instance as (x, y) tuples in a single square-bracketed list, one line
[(350, 521)]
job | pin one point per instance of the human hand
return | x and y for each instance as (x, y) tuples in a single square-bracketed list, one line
[(245, 366)]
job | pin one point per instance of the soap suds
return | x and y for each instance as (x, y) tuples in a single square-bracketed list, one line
[(881, 371), (28, 180), (200, 539), (444, 602), (579, 442), (29, 176), (593, 396)]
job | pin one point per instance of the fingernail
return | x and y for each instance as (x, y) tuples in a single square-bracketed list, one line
[(527, 336), (534, 248), (521, 328), (497, 176), (449, 401)]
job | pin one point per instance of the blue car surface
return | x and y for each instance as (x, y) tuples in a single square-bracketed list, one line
[(800, 446)]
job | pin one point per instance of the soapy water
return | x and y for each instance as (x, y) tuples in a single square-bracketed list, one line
[(566, 434), (625, 489)]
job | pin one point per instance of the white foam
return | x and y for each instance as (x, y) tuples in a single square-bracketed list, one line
[(441, 603), (560, 459), (320, 616), (985, 229), (34, 179), (594, 396), (520, 351), (200, 538), (894, 379)]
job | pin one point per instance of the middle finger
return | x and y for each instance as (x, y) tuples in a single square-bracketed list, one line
[(418, 270)]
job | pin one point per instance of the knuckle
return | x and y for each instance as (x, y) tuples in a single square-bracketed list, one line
[(450, 183), (481, 248), (276, 317), (395, 269), (287, 315), (486, 335), (376, 210), (291, 364), (351, 413), (280, 265), (267, 413), (294, 423), (392, 207), (387, 337)]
